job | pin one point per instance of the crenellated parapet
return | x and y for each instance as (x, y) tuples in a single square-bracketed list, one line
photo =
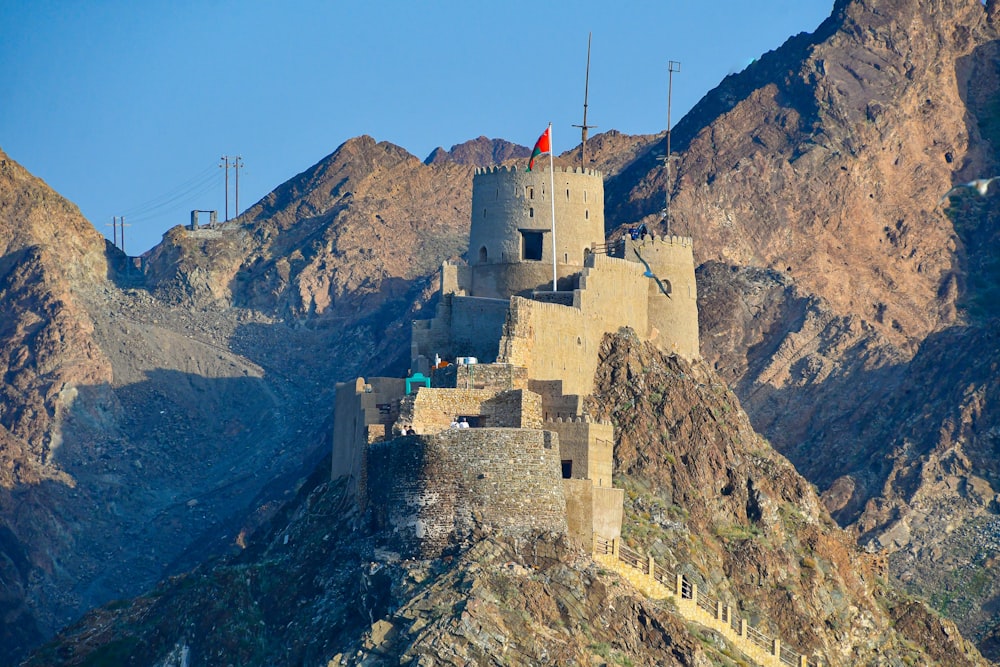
[(559, 169)]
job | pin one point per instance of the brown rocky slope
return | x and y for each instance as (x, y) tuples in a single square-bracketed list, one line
[(706, 494), (811, 184), (861, 341)]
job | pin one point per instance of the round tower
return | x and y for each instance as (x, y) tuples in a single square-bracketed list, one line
[(510, 243), (673, 293)]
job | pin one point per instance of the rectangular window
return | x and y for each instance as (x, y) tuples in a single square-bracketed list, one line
[(567, 469), (531, 245)]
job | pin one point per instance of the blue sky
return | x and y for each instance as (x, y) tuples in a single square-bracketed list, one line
[(126, 107)]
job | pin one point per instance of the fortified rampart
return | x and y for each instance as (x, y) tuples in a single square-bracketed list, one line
[(462, 326), (557, 342), (365, 412), (429, 492), (498, 377), (587, 450), (430, 411)]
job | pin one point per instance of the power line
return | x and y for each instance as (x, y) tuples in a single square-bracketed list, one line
[(175, 193), (176, 201)]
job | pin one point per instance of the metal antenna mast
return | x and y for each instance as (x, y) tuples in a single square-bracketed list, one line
[(586, 92), (672, 66)]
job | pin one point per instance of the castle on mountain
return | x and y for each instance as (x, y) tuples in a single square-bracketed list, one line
[(491, 432)]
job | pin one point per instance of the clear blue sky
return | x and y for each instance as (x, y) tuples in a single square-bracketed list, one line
[(126, 107)]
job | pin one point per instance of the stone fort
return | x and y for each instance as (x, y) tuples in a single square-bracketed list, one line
[(510, 357)]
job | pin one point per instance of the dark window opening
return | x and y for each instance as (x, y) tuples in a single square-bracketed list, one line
[(567, 469), (482, 255), (531, 245)]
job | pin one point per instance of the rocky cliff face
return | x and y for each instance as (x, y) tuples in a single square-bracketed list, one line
[(706, 495), (851, 310), (861, 338), (146, 409)]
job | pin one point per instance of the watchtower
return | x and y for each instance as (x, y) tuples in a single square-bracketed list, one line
[(510, 242)]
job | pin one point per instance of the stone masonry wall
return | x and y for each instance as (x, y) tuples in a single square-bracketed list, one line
[(673, 319), (556, 342), (497, 377), (431, 410), (507, 202), (427, 493), (462, 326), (589, 445), (362, 409)]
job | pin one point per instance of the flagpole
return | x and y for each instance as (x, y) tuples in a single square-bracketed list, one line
[(552, 199)]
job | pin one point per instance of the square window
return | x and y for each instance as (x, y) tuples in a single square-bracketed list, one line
[(531, 245)]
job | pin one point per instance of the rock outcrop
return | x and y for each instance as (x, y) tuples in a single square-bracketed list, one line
[(860, 338)]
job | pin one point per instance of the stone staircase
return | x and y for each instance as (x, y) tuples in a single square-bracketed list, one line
[(657, 582)]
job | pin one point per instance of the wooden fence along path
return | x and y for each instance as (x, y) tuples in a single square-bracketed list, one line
[(655, 581)]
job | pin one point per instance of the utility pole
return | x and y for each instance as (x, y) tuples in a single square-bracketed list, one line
[(225, 165), (672, 66), (237, 165), (123, 226), (585, 127), (114, 230)]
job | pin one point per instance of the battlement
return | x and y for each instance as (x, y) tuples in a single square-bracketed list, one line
[(558, 170), (578, 419)]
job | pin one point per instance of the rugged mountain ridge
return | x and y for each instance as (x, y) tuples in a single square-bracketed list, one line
[(706, 493), (151, 415), (810, 182), (860, 343)]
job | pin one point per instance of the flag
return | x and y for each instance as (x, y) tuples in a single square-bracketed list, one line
[(543, 145)]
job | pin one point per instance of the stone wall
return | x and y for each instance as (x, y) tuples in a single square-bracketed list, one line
[(556, 404), (427, 493), (592, 510), (673, 319), (431, 410), (588, 445), (363, 413), (462, 327), (497, 377), (558, 342)]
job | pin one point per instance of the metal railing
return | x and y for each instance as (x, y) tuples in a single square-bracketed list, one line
[(706, 602), (759, 638)]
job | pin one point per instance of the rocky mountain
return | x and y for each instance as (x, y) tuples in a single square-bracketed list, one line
[(764, 537), (479, 152), (156, 407), (862, 343), (156, 415)]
